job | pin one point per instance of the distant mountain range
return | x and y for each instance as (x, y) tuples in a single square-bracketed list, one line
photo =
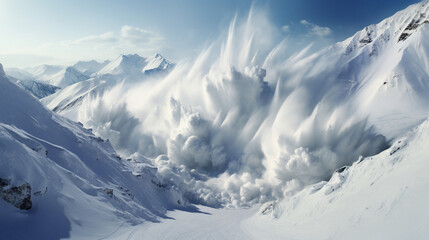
[(45, 80)]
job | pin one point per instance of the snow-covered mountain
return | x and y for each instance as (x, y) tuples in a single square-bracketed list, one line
[(58, 76), (44, 71), (385, 69), (19, 74), (125, 69), (90, 67), (124, 64), (64, 178), (68, 100), (66, 77), (133, 64), (38, 89), (157, 64), (28, 82)]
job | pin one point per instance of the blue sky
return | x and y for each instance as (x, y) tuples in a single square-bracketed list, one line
[(60, 31)]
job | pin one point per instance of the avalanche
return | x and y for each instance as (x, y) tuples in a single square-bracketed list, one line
[(323, 144), (241, 124)]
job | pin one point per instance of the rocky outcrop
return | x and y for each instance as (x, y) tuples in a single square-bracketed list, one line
[(412, 26), (18, 196)]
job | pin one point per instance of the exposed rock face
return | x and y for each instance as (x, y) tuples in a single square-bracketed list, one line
[(19, 196), (109, 192), (413, 25)]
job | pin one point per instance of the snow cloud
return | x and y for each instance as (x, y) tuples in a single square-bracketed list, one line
[(316, 30)]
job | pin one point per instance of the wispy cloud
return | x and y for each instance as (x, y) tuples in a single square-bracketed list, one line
[(138, 36), (316, 30), (108, 37), (286, 28), (127, 39)]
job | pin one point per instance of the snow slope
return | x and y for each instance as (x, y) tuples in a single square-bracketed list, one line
[(28, 82), (69, 99), (18, 74), (379, 197), (66, 77), (44, 71), (38, 89), (58, 76), (384, 72), (76, 179)]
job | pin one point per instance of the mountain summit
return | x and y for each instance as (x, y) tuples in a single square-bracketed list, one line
[(134, 64), (157, 64), (124, 64), (90, 67)]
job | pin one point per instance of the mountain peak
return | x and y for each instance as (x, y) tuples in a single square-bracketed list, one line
[(70, 69), (130, 56), (157, 55), (90, 67), (418, 17), (156, 64), (395, 29), (67, 76), (125, 63)]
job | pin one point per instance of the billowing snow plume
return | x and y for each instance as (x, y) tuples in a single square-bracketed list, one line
[(241, 124)]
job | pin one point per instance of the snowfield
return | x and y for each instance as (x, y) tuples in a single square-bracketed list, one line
[(239, 143)]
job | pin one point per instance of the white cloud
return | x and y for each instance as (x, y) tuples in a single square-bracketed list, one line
[(129, 37), (108, 37), (138, 36), (316, 30), (126, 40), (286, 28), (305, 22)]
